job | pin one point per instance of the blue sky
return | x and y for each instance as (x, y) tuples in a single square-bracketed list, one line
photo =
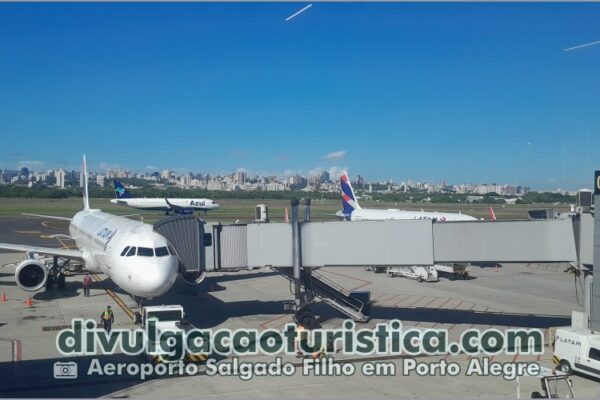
[(461, 92)]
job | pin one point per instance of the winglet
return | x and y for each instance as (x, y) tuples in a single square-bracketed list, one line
[(84, 184)]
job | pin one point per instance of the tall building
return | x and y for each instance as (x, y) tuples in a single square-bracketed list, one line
[(60, 178), (240, 177), (324, 178), (100, 180), (165, 174)]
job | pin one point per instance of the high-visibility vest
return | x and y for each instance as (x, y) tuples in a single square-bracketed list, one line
[(107, 315)]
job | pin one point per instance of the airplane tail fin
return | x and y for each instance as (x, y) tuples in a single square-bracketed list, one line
[(120, 190), (84, 184), (349, 202), (492, 214)]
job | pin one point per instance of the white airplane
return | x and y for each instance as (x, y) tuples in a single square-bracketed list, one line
[(135, 257), (177, 206), (352, 211)]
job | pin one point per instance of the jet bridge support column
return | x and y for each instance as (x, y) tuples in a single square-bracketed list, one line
[(296, 256), (595, 295)]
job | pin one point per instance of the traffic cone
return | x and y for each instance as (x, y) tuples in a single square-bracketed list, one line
[(29, 302), (286, 217), (3, 299)]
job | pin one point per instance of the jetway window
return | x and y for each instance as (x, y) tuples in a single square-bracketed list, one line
[(207, 239), (145, 252), (131, 252), (124, 251), (161, 251), (595, 354)]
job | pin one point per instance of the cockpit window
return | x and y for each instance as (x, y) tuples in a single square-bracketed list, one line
[(161, 251), (131, 252), (124, 251), (145, 252)]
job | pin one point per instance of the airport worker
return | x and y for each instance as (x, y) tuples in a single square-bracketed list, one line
[(87, 284), (322, 352), (300, 336), (107, 318)]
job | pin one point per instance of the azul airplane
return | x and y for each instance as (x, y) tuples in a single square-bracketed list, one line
[(177, 206), (136, 258), (352, 211)]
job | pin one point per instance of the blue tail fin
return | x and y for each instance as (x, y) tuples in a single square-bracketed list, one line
[(349, 202), (120, 190)]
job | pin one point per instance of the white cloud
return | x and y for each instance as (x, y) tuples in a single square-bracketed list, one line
[(151, 167), (315, 171), (335, 155), (290, 172), (336, 172), (105, 166), (32, 164)]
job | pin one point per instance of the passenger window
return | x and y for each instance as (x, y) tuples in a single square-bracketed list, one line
[(145, 252), (161, 251), (131, 252), (595, 354), (124, 251)]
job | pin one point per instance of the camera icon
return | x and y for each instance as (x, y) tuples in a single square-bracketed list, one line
[(65, 370)]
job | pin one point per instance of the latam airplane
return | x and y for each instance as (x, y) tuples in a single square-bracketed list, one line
[(177, 206), (352, 211), (135, 257)]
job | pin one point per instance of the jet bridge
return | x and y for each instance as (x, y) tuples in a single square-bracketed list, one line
[(394, 243), (295, 249)]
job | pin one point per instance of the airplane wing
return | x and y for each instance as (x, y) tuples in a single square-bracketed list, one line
[(47, 216), (68, 253), (178, 209)]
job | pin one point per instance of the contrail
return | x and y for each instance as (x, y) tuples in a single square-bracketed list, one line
[(298, 12), (582, 45)]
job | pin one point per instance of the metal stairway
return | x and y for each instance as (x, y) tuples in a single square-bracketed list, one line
[(349, 303)]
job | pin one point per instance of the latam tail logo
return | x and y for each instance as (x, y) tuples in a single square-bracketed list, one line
[(349, 203)]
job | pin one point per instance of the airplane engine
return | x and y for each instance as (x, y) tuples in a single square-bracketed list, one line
[(192, 278), (31, 275)]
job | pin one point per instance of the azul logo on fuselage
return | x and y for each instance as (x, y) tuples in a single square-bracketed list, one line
[(197, 203), (105, 235)]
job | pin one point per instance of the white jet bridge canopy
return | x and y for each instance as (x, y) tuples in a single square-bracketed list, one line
[(394, 243)]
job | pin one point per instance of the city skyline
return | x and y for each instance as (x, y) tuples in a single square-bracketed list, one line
[(467, 92), (320, 180)]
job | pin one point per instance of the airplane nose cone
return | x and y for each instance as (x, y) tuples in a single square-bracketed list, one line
[(158, 278)]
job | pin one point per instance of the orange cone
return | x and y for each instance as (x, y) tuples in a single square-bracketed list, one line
[(29, 302), (3, 299)]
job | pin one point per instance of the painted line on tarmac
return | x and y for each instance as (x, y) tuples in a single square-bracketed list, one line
[(17, 348), (116, 298)]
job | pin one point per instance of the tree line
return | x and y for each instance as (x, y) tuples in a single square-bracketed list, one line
[(16, 191)]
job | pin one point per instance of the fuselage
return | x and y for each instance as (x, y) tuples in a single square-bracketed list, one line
[(374, 214), (161, 204), (137, 259)]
